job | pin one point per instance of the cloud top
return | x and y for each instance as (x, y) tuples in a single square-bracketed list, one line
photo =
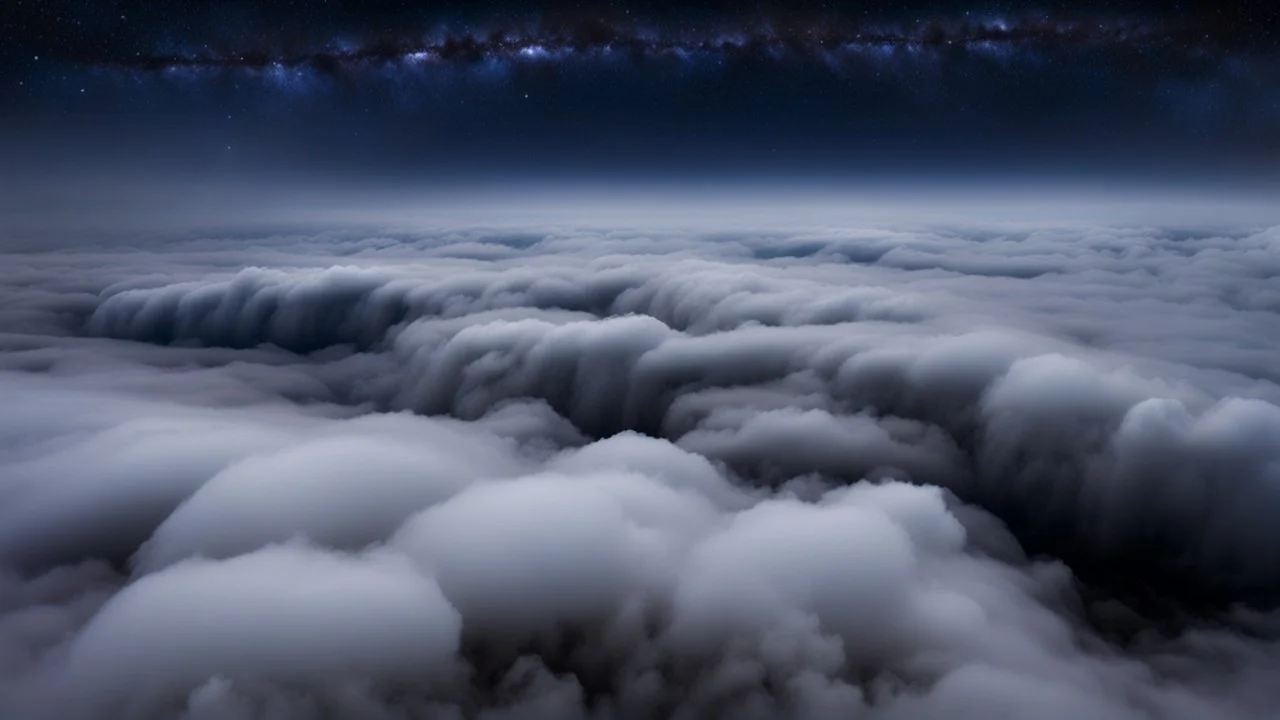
[(835, 471)]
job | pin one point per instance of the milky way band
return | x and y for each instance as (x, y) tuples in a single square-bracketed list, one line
[(832, 42)]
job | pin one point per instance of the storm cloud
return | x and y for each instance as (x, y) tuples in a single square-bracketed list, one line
[(822, 470)]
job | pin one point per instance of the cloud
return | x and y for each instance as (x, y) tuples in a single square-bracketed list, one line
[(348, 490), (1003, 471), (282, 613)]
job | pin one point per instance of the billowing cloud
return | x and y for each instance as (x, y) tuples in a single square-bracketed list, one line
[(643, 473)]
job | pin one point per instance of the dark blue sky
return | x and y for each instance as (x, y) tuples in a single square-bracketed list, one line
[(402, 89)]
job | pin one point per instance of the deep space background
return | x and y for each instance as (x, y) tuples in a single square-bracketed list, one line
[(437, 90)]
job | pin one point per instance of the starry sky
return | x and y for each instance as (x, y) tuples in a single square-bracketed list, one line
[(810, 89)]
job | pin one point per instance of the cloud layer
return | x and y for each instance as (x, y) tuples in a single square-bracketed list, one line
[(887, 472)]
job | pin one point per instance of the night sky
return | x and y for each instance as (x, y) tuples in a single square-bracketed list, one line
[(1151, 90)]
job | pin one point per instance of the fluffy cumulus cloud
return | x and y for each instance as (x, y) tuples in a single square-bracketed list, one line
[(882, 471)]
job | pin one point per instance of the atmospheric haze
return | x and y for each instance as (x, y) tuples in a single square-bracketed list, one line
[(648, 459)]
